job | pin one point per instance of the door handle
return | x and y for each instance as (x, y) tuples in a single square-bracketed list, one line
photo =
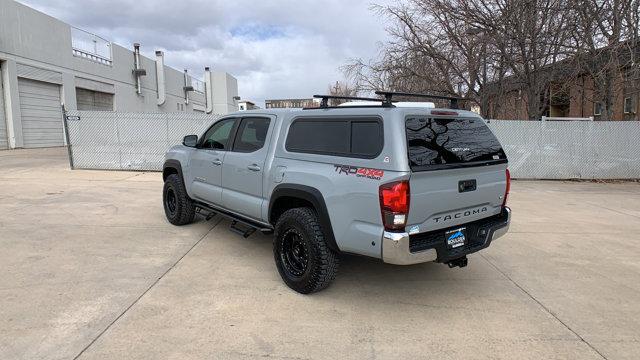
[(253, 167), (216, 162)]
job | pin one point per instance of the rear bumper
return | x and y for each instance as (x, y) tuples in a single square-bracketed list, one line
[(405, 249)]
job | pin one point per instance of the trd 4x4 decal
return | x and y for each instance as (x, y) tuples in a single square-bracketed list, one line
[(368, 173)]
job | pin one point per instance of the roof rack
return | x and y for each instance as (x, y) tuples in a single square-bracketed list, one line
[(388, 98), (324, 103)]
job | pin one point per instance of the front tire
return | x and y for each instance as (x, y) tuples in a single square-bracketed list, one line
[(178, 207), (304, 261)]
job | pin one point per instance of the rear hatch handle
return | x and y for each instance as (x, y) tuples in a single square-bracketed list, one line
[(467, 185)]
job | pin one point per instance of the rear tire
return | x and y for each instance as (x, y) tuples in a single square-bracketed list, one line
[(178, 206), (304, 261)]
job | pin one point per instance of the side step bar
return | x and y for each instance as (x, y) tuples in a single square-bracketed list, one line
[(248, 226), (246, 232)]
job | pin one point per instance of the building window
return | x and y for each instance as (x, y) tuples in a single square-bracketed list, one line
[(597, 108), (628, 106), (178, 106), (91, 47)]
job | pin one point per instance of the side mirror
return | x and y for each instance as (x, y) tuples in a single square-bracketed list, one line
[(190, 140)]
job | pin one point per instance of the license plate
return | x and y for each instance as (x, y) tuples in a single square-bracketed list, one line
[(456, 238)]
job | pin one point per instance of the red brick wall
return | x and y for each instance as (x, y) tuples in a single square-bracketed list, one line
[(513, 105)]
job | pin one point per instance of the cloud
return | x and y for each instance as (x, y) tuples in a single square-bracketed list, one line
[(276, 49)]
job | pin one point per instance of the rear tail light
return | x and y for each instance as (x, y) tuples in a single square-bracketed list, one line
[(506, 190), (394, 204)]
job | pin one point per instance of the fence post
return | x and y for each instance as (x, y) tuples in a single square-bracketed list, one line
[(117, 124), (66, 137), (166, 120)]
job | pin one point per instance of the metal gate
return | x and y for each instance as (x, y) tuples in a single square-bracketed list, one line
[(570, 149), (41, 113), (128, 141), (536, 149)]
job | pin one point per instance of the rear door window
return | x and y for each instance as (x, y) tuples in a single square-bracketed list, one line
[(435, 143), (360, 138)]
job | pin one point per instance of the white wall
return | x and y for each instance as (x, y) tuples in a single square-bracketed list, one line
[(225, 88), (32, 38)]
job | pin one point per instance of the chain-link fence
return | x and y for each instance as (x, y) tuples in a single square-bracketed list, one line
[(536, 149), (128, 141), (570, 149)]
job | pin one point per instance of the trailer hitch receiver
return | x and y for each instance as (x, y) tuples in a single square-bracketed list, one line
[(459, 262)]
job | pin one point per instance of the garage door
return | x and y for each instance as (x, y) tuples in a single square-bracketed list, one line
[(41, 113), (3, 121), (94, 100)]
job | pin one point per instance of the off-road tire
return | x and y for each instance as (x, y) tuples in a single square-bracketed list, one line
[(182, 210), (322, 262)]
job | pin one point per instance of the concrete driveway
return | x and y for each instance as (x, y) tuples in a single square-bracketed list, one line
[(90, 269)]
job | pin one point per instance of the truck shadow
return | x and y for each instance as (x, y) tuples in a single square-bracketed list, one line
[(359, 271)]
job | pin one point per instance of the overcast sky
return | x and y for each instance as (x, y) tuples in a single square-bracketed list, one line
[(276, 49)]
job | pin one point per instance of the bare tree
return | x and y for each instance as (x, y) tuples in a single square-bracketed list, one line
[(527, 36), (474, 47), (341, 88), (419, 57), (606, 37)]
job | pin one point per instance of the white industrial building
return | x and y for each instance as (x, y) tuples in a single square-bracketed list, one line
[(46, 64), (244, 105)]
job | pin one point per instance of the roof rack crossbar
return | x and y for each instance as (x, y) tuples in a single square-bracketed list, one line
[(388, 97), (324, 103)]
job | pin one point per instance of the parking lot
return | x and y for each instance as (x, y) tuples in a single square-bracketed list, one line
[(91, 269)]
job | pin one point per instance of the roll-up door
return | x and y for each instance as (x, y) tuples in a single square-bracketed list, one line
[(94, 100), (41, 113)]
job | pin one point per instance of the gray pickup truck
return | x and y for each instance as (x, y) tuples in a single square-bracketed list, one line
[(406, 185)]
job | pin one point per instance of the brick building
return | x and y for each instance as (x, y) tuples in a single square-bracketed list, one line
[(570, 94), (291, 103)]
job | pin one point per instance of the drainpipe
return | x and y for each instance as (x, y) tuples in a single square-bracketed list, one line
[(160, 77), (187, 87), (137, 71), (208, 91)]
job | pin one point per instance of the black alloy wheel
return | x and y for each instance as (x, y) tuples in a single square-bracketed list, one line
[(303, 258), (178, 207), (294, 253), (170, 197)]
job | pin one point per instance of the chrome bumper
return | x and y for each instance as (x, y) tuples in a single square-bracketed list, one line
[(395, 250), (503, 230), (395, 246)]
